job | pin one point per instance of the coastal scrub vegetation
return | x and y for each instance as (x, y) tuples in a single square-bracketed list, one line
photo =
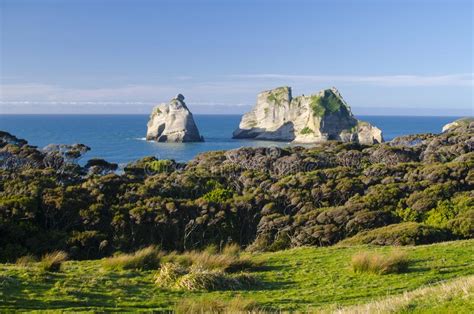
[(416, 189)]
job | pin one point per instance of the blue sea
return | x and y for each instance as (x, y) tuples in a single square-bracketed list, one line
[(120, 138)]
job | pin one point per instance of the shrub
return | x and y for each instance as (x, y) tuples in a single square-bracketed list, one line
[(441, 214), (53, 261), (26, 260), (407, 233), (409, 214), (218, 195), (396, 262), (159, 166), (147, 258)]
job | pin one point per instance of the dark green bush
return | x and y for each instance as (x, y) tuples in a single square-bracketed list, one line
[(408, 233)]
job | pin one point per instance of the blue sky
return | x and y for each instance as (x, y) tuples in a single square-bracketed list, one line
[(105, 56)]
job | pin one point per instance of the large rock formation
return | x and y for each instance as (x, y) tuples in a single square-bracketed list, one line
[(305, 119), (173, 122)]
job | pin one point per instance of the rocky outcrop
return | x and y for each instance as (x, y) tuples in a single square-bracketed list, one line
[(467, 121), (173, 122), (305, 119)]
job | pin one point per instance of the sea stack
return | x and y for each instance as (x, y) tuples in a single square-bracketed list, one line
[(173, 122), (305, 119)]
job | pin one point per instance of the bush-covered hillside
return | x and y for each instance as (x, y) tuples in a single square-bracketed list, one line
[(413, 190)]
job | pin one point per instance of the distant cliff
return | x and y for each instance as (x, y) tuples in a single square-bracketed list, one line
[(305, 119), (173, 122), (466, 121)]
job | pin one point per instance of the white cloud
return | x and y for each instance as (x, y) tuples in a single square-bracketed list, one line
[(235, 91), (384, 80)]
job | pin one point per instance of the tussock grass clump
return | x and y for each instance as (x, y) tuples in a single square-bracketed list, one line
[(147, 258), (205, 270), (231, 250), (235, 305), (228, 260), (26, 260), (394, 263), (201, 279), (196, 278), (53, 261), (169, 274)]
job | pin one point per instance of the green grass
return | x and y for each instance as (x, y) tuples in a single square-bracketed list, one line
[(297, 279)]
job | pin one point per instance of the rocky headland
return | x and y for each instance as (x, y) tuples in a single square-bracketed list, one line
[(173, 122), (466, 121), (305, 119)]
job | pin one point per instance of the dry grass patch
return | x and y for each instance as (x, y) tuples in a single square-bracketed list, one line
[(394, 263), (235, 305), (169, 274), (462, 288), (228, 260), (26, 260), (53, 261), (147, 258)]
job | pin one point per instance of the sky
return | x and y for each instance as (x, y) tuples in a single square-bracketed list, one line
[(116, 56)]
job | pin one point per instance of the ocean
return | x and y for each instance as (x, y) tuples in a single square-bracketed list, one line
[(121, 138)]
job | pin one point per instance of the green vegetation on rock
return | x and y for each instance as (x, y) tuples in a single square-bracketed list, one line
[(317, 106), (278, 95), (327, 103), (306, 130)]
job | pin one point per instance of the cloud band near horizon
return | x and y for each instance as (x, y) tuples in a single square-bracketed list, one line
[(228, 90)]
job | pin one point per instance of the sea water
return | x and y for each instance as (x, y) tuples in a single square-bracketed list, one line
[(121, 138)]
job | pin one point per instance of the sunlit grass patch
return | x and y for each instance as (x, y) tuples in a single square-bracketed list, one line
[(442, 296)]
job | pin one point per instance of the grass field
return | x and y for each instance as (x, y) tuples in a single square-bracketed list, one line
[(305, 279)]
